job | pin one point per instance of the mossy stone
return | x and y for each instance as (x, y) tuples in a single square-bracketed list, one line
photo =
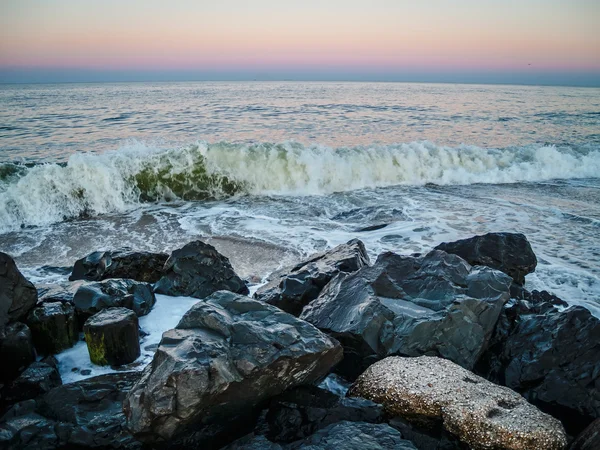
[(54, 327)]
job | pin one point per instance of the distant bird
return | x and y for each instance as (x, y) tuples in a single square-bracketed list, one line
[(529, 64)]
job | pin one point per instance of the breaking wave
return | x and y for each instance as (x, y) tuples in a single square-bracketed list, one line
[(89, 184)]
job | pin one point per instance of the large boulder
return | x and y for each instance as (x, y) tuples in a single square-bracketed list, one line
[(16, 350), (112, 337), (510, 253), (479, 413), (114, 293), (226, 357), (17, 294), (551, 356), (198, 270), (53, 326), (291, 289), (85, 414), (299, 412), (39, 378), (435, 305), (124, 263), (63, 293)]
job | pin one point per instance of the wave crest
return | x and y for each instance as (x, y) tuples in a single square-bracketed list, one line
[(119, 180)]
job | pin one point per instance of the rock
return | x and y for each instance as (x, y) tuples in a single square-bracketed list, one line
[(403, 305), (124, 263), (85, 414), (227, 355), (16, 350), (588, 439), (54, 327), (550, 356), (253, 442), (291, 289), (301, 411), (112, 337), (356, 436), (479, 413), (434, 437), (198, 270), (17, 294), (39, 378), (510, 253), (52, 293), (114, 293)]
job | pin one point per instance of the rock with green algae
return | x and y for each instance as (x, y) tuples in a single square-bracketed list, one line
[(112, 337), (53, 326)]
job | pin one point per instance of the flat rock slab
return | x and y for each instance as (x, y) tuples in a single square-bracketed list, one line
[(481, 414), (112, 337), (227, 355)]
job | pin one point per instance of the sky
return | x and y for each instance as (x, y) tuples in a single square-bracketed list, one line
[(497, 41)]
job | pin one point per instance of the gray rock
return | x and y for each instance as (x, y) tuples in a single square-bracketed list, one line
[(123, 263), (85, 414), (226, 357), (17, 294), (479, 413), (198, 270), (355, 436), (510, 253), (551, 356), (588, 439), (112, 337), (53, 326), (16, 350), (435, 305), (39, 378), (291, 289), (114, 293)]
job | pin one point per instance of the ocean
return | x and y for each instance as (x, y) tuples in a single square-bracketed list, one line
[(272, 172)]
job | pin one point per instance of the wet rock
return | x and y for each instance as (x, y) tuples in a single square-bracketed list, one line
[(17, 294), (198, 270), (510, 253), (112, 337), (301, 411), (550, 356), (39, 378), (53, 326), (434, 437), (124, 263), (403, 305), (291, 289), (52, 293), (479, 413), (226, 357), (356, 436), (253, 442), (16, 350), (588, 439), (85, 414), (94, 297)]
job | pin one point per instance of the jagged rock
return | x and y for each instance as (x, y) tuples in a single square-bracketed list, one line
[(123, 263), (509, 252), (39, 378), (402, 305), (588, 439), (291, 289), (17, 294), (227, 355), (85, 414), (53, 326), (198, 270), (112, 337), (550, 356), (356, 436), (52, 293), (479, 413), (300, 412), (114, 293), (16, 350)]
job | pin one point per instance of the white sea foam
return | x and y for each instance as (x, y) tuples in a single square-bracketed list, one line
[(120, 180)]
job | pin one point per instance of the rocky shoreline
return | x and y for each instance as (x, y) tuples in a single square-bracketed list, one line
[(444, 350)]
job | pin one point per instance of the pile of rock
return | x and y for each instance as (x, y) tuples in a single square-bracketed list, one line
[(445, 350)]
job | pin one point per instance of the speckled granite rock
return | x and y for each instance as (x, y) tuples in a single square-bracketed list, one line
[(479, 413), (292, 288), (436, 304), (227, 355)]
